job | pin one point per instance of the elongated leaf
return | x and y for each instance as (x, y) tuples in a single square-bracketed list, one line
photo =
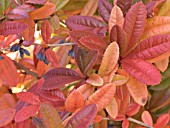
[(85, 60), (134, 24), (152, 47), (90, 8), (83, 22), (162, 65), (118, 35), (112, 108), (6, 116), (26, 112), (24, 124), (58, 77), (162, 121), (109, 59), (164, 10), (132, 109), (36, 1), (125, 123), (119, 79), (142, 71), (124, 5), (105, 8), (84, 118), (95, 79), (103, 96), (43, 12), (28, 97), (147, 119), (17, 14), (55, 22), (116, 17), (60, 4), (50, 116), (4, 4), (74, 101), (138, 91), (46, 31), (12, 27), (156, 26)]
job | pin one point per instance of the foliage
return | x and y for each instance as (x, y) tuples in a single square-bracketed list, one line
[(84, 63)]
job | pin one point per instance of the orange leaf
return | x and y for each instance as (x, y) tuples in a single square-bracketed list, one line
[(74, 101), (162, 121), (98, 118), (43, 12), (112, 108), (132, 109), (119, 79), (138, 91), (125, 123), (116, 17), (95, 79), (162, 65), (147, 119), (103, 96), (109, 59)]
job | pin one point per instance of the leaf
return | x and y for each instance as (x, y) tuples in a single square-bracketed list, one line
[(116, 18), (125, 123), (17, 14), (119, 79), (24, 124), (60, 4), (112, 108), (83, 22), (105, 8), (162, 65), (95, 79), (118, 35), (43, 12), (85, 60), (162, 121), (90, 8), (7, 66), (36, 1), (12, 27), (124, 5), (83, 118), (46, 31), (51, 95), (28, 97), (156, 26), (50, 116), (55, 22), (164, 10), (132, 109), (4, 4), (58, 77), (142, 71), (152, 48), (134, 24), (109, 59), (147, 119), (38, 122), (103, 96), (6, 116), (138, 91), (26, 112), (74, 101)]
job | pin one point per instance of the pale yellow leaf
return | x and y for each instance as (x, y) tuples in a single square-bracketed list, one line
[(112, 108), (95, 79), (119, 79), (162, 65)]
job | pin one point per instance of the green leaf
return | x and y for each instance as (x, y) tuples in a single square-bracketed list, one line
[(50, 116), (4, 4)]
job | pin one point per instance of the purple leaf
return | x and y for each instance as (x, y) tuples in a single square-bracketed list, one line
[(17, 14)]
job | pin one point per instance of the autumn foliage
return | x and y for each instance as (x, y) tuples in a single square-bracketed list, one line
[(84, 63)]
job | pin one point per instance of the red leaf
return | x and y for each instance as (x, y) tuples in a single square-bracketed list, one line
[(46, 30), (24, 124), (162, 121), (17, 14), (83, 118), (152, 47), (125, 123), (119, 117), (134, 24), (83, 22), (51, 95), (28, 97), (12, 27), (58, 77), (147, 119), (142, 71), (6, 116), (85, 60), (105, 8), (26, 112), (132, 109)]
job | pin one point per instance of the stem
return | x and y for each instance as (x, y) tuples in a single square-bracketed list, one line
[(139, 122), (27, 71), (57, 45)]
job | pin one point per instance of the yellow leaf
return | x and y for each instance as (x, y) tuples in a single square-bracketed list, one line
[(119, 79), (165, 9), (162, 65), (138, 91), (112, 108), (109, 59), (95, 79)]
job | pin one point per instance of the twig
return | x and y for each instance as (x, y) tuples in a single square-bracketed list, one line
[(139, 122), (27, 71), (57, 45)]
